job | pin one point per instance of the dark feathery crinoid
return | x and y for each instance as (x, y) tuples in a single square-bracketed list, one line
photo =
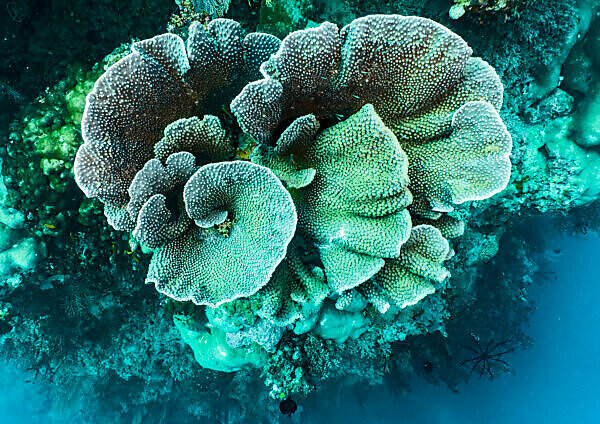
[(487, 357)]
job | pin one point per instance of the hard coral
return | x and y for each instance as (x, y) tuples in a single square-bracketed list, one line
[(360, 141), (155, 224), (416, 74), (442, 113), (126, 113), (212, 267), (382, 60), (134, 101), (355, 209), (407, 279)]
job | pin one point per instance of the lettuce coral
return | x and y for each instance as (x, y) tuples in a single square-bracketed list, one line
[(257, 219), (407, 279), (355, 209), (378, 59), (158, 83), (385, 61), (205, 139), (155, 224), (294, 291), (360, 142), (471, 164), (126, 113)]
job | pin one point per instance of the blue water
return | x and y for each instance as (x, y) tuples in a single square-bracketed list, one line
[(555, 382)]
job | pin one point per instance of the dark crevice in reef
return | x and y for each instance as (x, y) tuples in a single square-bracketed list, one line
[(41, 40)]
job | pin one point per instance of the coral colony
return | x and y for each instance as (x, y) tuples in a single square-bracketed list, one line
[(328, 194), (319, 195)]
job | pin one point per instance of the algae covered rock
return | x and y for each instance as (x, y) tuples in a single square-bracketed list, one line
[(355, 208), (22, 256), (280, 17), (460, 7), (214, 8)]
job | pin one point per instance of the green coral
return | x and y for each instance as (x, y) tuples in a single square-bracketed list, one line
[(212, 268), (162, 80), (53, 135), (409, 278), (155, 225), (471, 164), (355, 209), (204, 138), (450, 226), (294, 291), (349, 133), (350, 182), (211, 350), (478, 82), (283, 167)]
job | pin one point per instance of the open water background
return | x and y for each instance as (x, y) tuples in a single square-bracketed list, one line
[(557, 381)]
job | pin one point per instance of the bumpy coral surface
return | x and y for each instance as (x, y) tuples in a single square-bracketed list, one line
[(246, 219), (408, 278), (158, 83), (355, 208), (387, 62), (361, 141)]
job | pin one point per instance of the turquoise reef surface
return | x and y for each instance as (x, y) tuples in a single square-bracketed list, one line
[(212, 205)]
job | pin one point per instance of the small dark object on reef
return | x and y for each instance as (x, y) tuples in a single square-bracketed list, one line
[(288, 407), (428, 367), (488, 358)]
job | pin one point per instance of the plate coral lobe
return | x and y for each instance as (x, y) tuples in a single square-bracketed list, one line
[(364, 139)]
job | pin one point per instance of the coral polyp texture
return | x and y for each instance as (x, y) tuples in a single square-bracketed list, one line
[(355, 208), (161, 81), (417, 75), (325, 201), (245, 220), (407, 279)]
